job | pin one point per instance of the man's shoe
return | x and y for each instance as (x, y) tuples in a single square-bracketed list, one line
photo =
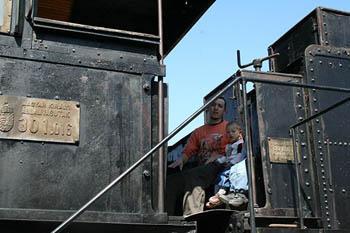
[(238, 200)]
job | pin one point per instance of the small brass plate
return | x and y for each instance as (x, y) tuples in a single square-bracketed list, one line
[(281, 150), (39, 119)]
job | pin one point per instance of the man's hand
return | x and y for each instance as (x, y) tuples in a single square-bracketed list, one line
[(212, 158), (180, 162)]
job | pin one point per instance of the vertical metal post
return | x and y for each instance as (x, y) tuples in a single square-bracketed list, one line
[(249, 159), (161, 169), (297, 171)]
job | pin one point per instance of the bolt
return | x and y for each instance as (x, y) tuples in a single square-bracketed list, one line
[(146, 87), (147, 173)]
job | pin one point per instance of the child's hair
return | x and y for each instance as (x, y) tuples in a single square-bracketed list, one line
[(234, 124)]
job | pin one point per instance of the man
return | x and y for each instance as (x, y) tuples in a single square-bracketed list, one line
[(208, 143)]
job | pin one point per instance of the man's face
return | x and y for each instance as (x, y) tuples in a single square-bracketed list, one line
[(217, 109)]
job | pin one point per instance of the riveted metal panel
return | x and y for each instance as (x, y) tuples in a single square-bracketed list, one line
[(327, 65), (276, 111), (115, 129)]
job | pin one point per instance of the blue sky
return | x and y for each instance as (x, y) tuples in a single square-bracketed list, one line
[(206, 56)]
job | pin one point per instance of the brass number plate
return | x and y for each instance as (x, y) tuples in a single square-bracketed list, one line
[(39, 119), (281, 150)]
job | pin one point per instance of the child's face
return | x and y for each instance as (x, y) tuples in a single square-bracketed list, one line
[(233, 133)]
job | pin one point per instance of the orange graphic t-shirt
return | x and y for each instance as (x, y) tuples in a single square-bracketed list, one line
[(207, 140)]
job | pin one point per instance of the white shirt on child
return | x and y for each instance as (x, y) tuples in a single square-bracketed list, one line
[(233, 153)]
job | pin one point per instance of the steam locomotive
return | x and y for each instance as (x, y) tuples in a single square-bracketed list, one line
[(83, 133)]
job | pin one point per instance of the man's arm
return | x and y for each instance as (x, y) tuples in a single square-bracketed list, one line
[(180, 162)]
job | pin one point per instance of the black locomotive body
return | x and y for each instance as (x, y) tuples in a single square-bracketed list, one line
[(79, 98)]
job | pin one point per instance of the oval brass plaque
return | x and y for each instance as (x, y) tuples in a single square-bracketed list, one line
[(39, 119)]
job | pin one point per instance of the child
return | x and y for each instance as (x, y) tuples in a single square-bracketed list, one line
[(233, 180)]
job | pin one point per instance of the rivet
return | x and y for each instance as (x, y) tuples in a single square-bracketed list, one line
[(21, 161), (330, 143), (325, 142), (317, 120), (0, 92), (309, 198), (22, 142), (56, 97), (325, 189), (73, 50), (41, 162), (321, 153), (144, 60), (77, 104), (340, 143), (339, 52), (306, 170), (319, 142), (323, 177), (327, 213), (330, 64), (320, 147), (318, 131), (316, 110), (312, 69), (329, 51), (322, 171), (325, 195), (303, 144), (326, 201), (326, 42), (329, 226), (307, 184), (320, 62), (146, 173), (335, 143), (343, 190), (326, 207), (300, 106), (300, 118), (44, 57), (121, 57), (42, 143), (322, 165), (344, 142), (312, 80), (301, 131), (310, 52), (331, 190), (314, 90), (326, 33), (298, 93), (310, 60), (324, 24), (324, 183), (98, 54), (79, 61), (304, 157), (321, 159), (328, 220)]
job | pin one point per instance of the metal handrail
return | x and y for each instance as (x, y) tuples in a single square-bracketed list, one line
[(244, 80), (297, 168), (144, 157)]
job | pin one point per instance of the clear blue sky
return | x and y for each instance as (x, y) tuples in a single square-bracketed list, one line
[(206, 56)]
